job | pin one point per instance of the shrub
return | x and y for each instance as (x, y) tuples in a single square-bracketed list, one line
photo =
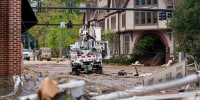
[(118, 60), (54, 56)]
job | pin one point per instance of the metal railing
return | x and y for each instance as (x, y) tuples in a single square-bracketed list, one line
[(149, 89)]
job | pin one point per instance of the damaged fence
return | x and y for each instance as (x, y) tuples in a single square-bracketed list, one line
[(150, 89)]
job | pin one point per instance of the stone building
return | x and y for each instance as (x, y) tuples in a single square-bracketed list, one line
[(131, 26)]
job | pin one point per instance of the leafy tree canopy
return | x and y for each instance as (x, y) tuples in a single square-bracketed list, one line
[(186, 26), (49, 36)]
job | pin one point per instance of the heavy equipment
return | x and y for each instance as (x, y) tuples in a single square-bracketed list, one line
[(87, 53)]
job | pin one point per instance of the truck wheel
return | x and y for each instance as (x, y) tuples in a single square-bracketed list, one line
[(86, 70), (99, 70), (48, 59), (75, 71), (40, 59), (28, 58)]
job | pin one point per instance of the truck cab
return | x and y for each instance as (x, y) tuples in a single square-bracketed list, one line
[(26, 54), (44, 53)]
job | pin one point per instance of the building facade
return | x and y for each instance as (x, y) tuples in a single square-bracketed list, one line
[(131, 26)]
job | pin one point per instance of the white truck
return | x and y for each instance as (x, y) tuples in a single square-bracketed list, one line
[(87, 54), (27, 54)]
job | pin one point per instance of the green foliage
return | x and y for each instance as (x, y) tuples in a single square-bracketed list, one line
[(110, 36), (186, 26), (55, 56), (118, 60), (143, 45), (49, 36)]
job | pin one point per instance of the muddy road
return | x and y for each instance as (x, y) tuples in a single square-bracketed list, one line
[(36, 71)]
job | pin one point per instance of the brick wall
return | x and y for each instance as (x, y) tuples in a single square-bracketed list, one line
[(10, 38), (14, 46), (4, 38)]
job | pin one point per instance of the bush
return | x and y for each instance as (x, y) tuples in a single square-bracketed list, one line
[(118, 60), (134, 56), (67, 56), (125, 60), (55, 56)]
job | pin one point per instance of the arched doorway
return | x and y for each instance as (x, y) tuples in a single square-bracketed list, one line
[(158, 52)]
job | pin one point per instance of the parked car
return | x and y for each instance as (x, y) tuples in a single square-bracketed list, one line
[(27, 54)]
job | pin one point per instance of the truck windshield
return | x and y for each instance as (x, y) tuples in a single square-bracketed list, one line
[(46, 51)]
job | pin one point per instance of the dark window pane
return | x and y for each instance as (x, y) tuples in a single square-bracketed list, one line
[(148, 2), (113, 23), (127, 44), (155, 1), (142, 2), (123, 20), (155, 17), (136, 18), (149, 17), (137, 2), (143, 17)]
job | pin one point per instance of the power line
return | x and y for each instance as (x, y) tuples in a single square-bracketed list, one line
[(30, 22), (93, 8)]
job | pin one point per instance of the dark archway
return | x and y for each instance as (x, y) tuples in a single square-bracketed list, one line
[(156, 54)]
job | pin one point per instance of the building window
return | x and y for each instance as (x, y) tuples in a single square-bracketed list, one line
[(142, 2), (149, 2), (148, 17), (155, 2), (107, 24), (155, 20), (146, 2), (126, 44), (113, 23), (123, 20), (143, 18), (137, 18), (137, 2)]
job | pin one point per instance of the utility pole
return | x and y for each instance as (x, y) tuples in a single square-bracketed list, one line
[(60, 46), (28, 42), (62, 25), (35, 43)]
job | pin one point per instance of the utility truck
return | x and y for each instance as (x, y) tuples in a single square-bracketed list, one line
[(87, 53)]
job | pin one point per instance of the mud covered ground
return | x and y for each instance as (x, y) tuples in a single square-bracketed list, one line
[(109, 81)]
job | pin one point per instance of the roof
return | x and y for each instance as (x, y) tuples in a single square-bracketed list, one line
[(28, 17)]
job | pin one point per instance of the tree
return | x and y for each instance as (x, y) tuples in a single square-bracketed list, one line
[(142, 47), (186, 26), (110, 36), (49, 36)]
